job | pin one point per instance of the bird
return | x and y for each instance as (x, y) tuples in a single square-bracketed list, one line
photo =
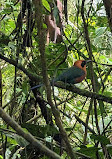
[(72, 75)]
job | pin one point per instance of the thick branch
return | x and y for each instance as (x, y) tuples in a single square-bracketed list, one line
[(108, 8), (19, 66), (27, 136), (63, 86), (41, 36), (0, 87), (83, 92)]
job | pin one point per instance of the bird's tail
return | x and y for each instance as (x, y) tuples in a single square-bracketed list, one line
[(38, 86), (51, 82)]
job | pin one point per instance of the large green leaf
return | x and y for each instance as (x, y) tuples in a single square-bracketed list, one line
[(102, 139), (100, 31), (40, 130), (89, 151), (46, 5)]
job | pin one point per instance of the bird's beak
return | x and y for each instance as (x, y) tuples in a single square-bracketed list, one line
[(88, 61)]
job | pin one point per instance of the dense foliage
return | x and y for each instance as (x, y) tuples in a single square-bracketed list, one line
[(85, 116)]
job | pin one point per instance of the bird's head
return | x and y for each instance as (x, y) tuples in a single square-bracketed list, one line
[(81, 64)]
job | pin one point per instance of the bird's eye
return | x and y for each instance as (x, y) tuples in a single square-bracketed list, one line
[(83, 63)]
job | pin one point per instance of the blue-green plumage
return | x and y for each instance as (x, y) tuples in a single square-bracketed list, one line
[(70, 75)]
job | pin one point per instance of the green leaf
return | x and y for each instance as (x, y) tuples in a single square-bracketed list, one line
[(89, 151), (56, 14), (95, 76), (100, 31), (21, 141), (101, 105), (25, 87), (109, 147), (44, 26), (46, 5), (68, 129), (42, 130), (102, 139)]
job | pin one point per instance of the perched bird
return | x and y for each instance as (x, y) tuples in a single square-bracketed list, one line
[(72, 75)]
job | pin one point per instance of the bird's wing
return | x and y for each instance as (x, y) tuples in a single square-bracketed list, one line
[(70, 75)]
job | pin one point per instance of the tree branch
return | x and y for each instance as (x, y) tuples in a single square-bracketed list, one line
[(31, 75), (108, 8), (84, 124), (89, 49), (73, 89), (84, 92), (30, 138), (41, 36)]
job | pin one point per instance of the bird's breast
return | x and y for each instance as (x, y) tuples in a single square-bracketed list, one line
[(80, 79)]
